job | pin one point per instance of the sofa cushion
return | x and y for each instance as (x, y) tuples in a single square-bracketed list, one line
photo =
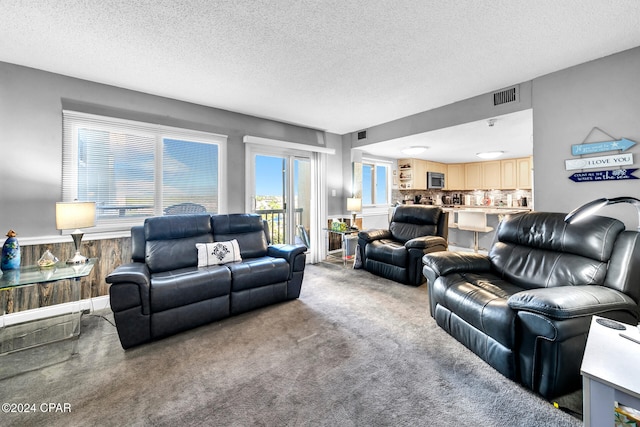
[(414, 221), (218, 253), (257, 272), (481, 301), (540, 250), (387, 251), (247, 229), (547, 231), (184, 286), (171, 240)]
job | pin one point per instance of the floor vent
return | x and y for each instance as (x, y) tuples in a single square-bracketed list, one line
[(506, 96), (362, 135)]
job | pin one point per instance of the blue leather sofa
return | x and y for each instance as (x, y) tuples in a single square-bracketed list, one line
[(163, 291)]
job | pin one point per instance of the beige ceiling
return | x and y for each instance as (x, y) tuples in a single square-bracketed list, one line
[(334, 65)]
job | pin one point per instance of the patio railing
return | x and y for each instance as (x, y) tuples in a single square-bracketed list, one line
[(276, 219)]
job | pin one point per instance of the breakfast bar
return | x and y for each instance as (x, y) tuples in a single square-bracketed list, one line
[(465, 238)]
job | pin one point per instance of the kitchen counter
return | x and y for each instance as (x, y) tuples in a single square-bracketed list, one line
[(498, 210), (463, 238)]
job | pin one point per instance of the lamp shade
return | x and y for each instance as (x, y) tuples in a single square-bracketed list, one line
[(354, 204), (72, 215)]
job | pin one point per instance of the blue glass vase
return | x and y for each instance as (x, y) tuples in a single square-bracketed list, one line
[(10, 252)]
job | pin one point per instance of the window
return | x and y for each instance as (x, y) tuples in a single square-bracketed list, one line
[(133, 170), (375, 183)]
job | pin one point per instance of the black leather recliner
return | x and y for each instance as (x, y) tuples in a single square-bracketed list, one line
[(397, 253), (163, 291), (526, 307)]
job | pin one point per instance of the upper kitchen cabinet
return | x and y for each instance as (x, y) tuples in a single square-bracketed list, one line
[(405, 174), (525, 174), (454, 177), (509, 174), (412, 174), (473, 176), (436, 167), (491, 175)]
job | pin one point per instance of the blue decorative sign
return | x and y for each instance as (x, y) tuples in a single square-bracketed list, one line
[(599, 147), (612, 175)]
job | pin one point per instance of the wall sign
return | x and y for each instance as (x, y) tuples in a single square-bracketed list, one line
[(599, 162), (610, 175), (599, 147)]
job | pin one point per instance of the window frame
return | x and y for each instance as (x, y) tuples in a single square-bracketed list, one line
[(375, 163), (73, 120)]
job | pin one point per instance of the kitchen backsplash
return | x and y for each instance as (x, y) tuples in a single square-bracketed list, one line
[(511, 198)]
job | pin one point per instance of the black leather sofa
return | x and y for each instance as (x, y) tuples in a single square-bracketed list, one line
[(527, 306), (163, 291), (396, 253)]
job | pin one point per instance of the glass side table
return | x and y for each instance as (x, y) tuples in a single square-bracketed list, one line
[(50, 336), (342, 251)]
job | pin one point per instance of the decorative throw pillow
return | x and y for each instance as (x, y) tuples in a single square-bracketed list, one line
[(218, 253)]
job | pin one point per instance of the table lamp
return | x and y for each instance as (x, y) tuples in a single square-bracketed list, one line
[(589, 208), (354, 205), (75, 215)]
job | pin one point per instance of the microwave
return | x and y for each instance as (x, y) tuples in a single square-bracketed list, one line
[(435, 180)]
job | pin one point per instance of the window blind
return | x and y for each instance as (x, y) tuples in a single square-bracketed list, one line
[(133, 170)]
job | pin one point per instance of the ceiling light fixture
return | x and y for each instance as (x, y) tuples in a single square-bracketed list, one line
[(416, 149), (490, 154)]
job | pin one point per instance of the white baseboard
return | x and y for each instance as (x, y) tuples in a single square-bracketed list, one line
[(97, 303)]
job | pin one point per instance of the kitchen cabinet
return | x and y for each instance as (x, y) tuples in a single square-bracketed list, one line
[(525, 174), (420, 176), (405, 174), (436, 167), (491, 175), (412, 174), (509, 174), (473, 176), (454, 177)]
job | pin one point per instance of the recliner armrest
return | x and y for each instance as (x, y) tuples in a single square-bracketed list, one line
[(288, 252), (443, 263), (135, 273), (566, 302), (374, 234), (425, 242)]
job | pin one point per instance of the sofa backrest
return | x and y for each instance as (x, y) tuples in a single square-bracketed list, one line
[(138, 243), (624, 266), (539, 249), (170, 241), (411, 221), (247, 229)]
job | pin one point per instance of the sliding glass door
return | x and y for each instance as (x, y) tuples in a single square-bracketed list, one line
[(281, 193)]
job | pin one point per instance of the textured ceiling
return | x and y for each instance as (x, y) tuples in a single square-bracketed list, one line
[(335, 65)]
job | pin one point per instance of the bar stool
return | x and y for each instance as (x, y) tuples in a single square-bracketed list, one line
[(452, 220), (475, 221)]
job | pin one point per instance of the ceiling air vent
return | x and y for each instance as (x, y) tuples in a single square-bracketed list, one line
[(506, 96), (362, 135)]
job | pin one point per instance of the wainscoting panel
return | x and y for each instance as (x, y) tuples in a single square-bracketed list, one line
[(110, 253)]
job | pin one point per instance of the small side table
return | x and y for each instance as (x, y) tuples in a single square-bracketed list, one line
[(610, 372), (32, 335), (343, 247)]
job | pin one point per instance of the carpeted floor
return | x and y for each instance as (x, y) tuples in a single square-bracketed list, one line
[(354, 350)]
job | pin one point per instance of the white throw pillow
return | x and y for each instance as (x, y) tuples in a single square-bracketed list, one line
[(218, 253)]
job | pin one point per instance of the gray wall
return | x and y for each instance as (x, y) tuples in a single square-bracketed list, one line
[(469, 110), (31, 103), (567, 105)]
